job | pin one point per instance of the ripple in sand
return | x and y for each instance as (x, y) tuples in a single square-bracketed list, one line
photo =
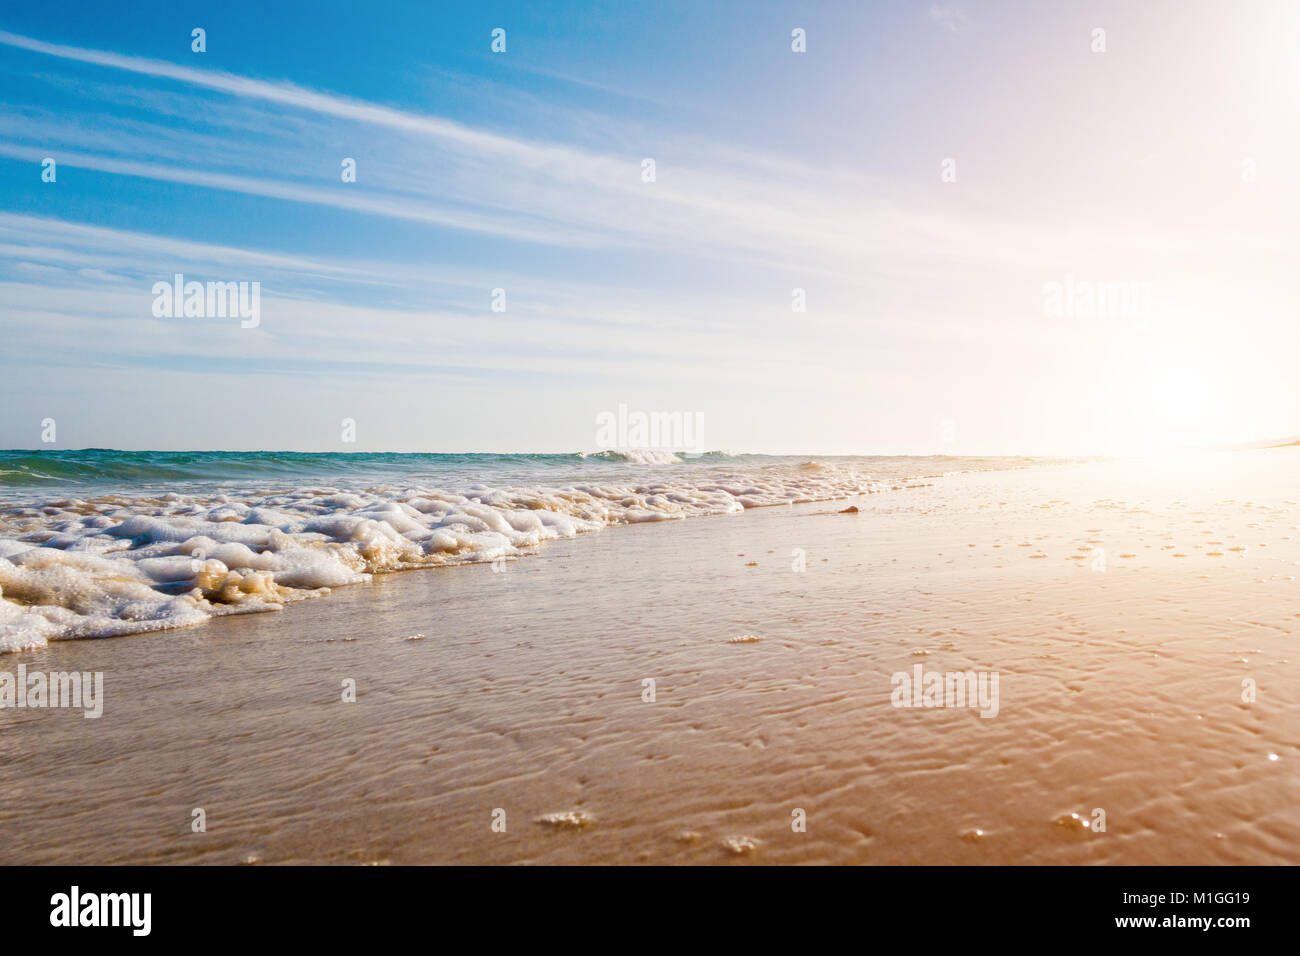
[(568, 820)]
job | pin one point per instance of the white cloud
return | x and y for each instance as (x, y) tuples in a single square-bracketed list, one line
[(950, 18)]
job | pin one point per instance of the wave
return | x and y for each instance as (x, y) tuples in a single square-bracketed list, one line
[(102, 466), (115, 563), (648, 456), (99, 542)]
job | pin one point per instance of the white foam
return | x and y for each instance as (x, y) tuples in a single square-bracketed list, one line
[(118, 564)]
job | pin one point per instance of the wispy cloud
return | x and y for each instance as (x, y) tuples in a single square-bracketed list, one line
[(948, 17), (920, 293), (732, 205)]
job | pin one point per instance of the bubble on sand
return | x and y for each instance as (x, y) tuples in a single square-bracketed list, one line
[(744, 639), (1073, 822), (567, 820), (740, 845), (973, 835)]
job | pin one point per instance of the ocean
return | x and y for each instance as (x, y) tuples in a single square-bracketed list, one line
[(100, 543)]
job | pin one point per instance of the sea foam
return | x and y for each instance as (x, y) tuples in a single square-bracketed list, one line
[(115, 563)]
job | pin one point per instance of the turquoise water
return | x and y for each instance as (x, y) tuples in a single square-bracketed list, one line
[(108, 469)]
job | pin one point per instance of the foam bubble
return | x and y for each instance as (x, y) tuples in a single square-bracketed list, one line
[(118, 564)]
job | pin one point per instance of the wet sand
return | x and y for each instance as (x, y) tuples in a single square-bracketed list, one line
[(1120, 689)]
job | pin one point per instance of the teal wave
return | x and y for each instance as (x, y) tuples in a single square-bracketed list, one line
[(98, 468)]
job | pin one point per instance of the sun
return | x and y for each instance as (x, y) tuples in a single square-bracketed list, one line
[(1182, 401)]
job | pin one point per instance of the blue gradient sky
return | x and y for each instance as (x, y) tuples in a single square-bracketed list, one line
[(925, 331)]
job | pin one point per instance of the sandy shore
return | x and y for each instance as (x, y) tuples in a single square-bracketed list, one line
[(1120, 605)]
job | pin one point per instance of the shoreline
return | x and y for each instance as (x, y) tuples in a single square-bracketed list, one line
[(146, 558)]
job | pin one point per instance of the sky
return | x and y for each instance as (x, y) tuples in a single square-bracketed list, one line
[(938, 184)]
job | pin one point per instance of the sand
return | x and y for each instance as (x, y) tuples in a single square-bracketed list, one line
[(1109, 599)]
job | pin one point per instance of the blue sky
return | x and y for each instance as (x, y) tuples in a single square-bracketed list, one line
[(925, 329)]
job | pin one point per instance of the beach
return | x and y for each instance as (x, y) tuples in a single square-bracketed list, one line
[(1127, 609)]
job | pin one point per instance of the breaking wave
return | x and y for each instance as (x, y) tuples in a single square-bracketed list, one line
[(114, 563), (124, 542)]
